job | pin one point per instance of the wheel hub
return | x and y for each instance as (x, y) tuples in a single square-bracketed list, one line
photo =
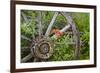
[(43, 48)]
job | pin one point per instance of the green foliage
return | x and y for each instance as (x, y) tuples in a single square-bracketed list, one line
[(28, 29), (82, 22), (63, 51), (85, 48)]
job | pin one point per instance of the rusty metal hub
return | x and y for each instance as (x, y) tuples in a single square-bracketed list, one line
[(43, 48)]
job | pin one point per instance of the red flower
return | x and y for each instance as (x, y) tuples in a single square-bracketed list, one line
[(57, 32)]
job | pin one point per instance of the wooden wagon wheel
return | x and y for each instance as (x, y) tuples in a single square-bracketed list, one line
[(41, 47)]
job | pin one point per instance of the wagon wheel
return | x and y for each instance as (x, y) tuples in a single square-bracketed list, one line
[(42, 45)]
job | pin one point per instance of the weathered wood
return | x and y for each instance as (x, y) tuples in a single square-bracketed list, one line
[(24, 17), (65, 28), (26, 58), (26, 38), (39, 23), (51, 24)]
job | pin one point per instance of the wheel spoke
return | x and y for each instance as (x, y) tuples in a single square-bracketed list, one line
[(39, 23), (65, 28), (26, 58), (26, 38), (51, 24), (24, 17), (67, 16)]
